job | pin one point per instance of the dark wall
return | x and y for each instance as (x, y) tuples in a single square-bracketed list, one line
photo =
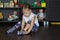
[(53, 10)]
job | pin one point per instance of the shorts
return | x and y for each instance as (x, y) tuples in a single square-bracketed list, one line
[(35, 27)]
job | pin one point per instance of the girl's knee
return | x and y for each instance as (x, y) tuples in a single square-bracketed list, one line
[(28, 24)]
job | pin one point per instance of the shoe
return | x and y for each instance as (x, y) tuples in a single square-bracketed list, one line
[(34, 30), (8, 34), (20, 32)]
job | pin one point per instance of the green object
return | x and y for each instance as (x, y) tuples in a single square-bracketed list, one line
[(38, 6), (22, 1), (25, 1), (33, 5), (42, 0), (15, 17)]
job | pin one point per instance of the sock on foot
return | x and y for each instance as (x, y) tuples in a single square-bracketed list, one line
[(20, 32)]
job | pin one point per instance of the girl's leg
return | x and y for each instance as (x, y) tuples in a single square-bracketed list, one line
[(26, 27), (35, 28), (14, 27), (24, 31)]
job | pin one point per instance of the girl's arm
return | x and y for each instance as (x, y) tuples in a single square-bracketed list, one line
[(23, 23)]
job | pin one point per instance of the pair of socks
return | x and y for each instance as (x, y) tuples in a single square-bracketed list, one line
[(20, 32)]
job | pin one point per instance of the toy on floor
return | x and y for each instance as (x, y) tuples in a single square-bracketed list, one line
[(15, 15), (1, 15)]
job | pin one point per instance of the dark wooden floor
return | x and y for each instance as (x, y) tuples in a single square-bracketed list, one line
[(50, 33)]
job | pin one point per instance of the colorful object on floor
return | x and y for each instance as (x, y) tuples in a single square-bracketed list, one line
[(1, 4), (1, 15)]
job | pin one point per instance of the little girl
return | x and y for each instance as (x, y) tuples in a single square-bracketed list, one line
[(29, 21)]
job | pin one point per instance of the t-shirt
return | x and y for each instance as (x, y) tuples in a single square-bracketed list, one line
[(30, 17)]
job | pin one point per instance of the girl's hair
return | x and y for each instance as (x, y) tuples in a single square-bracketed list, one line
[(26, 5)]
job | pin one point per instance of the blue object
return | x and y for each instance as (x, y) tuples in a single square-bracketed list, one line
[(14, 27), (20, 33), (35, 27)]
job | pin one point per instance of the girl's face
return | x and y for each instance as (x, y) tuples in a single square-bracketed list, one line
[(26, 12)]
